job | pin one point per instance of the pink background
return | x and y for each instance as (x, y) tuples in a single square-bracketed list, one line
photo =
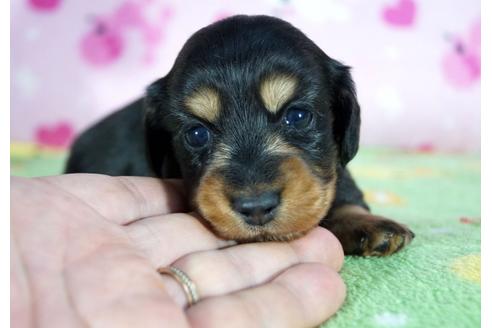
[(416, 64)]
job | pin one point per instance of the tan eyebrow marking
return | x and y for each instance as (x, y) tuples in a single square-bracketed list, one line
[(276, 90), (222, 156), (276, 145), (204, 103)]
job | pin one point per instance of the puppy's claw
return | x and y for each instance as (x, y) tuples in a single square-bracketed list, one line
[(384, 237)]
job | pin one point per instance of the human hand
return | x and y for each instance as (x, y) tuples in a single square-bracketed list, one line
[(85, 249)]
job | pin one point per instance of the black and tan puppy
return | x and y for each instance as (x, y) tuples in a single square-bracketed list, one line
[(260, 124)]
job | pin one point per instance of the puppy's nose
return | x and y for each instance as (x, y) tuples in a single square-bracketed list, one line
[(257, 210)]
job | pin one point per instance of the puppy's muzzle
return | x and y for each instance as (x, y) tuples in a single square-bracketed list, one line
[(293, 203), (257, 210)]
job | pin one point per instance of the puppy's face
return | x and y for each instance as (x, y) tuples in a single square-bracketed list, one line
[(259, 120)]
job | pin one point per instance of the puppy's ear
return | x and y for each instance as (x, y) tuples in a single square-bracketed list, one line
[(346, 110), (160, 151)]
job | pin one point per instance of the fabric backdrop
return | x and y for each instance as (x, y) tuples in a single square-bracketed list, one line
[(416, 64)]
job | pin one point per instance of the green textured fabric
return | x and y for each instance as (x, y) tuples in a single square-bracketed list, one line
[(435, 282)]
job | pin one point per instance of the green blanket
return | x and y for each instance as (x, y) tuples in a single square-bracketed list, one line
[(435, 282)]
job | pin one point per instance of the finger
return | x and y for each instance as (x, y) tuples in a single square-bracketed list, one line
[(20, 293), (115, 287), (123, 199), (302, 296), (165, 238), (231, 269), (140, 311)]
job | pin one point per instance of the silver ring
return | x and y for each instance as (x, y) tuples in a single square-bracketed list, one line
[(186, 283)]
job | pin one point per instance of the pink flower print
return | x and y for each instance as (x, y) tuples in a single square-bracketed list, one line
[(103, 45), (44, 5), (402, 14), (106, 42), (461, 64), (59, 135)]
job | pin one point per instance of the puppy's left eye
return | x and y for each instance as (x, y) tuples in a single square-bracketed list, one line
[(298, 118), (198, 136)]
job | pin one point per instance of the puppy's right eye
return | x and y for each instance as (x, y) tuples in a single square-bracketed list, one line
[(197, 136), (298, 118)]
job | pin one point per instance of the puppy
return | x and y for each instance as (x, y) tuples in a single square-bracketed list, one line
[(260, 124)]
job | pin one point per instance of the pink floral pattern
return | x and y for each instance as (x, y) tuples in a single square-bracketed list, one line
[(45, 5), (58, 135), (416, 64), (105, 43), (461, 65), (402, 14)]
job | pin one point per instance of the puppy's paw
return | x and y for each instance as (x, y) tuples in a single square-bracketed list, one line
[(381, 237), (362, 233)]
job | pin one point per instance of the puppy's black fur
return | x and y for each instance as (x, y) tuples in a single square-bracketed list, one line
[(240, 69)]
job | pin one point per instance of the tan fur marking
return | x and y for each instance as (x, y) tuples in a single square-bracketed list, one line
[(305, 198), (204, 103), (305, 201), (276, 90), (221, 156), (213, 204), (350, 209), (275, 145)]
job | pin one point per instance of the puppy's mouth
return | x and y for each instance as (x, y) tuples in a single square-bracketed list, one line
[(284, 210)]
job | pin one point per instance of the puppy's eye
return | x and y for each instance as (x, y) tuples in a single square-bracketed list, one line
[(298, 118), (197, 136)]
